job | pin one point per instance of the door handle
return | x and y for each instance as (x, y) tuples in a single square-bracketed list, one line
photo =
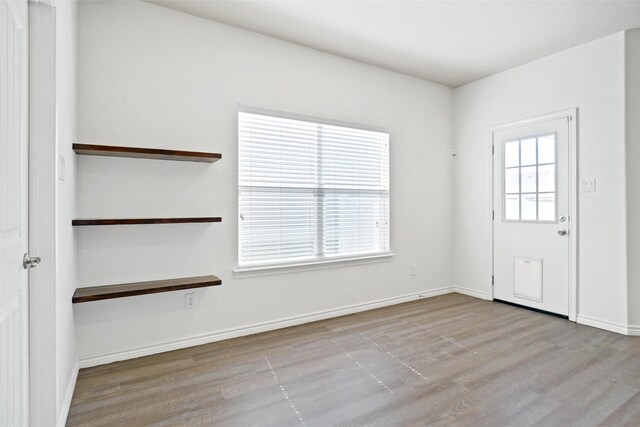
[(30, 262), (562, 232)]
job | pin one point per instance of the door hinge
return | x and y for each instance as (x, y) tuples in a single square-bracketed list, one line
[(493, 215), (493, 150), (493, 279)]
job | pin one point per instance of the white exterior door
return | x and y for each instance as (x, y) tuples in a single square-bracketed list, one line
[(14, 301), (532, 222)]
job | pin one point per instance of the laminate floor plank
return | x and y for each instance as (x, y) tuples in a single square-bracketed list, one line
[(447, 360), (627, 414)]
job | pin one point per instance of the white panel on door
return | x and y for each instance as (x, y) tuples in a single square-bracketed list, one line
[(527, 278), (13, 213), (11, 359)]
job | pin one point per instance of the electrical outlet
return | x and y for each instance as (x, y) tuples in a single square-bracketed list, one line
[(190, 300), (413, 270)]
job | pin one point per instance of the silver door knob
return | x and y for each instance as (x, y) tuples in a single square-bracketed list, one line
[(30, 262), (562, 232)]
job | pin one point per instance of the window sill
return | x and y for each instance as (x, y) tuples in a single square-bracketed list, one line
[(268, 270)]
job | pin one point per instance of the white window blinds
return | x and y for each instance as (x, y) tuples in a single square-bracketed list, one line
[(310, 191)]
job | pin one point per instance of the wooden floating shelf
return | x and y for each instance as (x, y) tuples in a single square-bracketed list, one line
[(146, 153), (97, 293), (138, 221)]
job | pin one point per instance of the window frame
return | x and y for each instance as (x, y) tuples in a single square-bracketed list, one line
[(536, 193), (318, 262)]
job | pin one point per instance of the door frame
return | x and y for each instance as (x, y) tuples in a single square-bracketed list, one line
[(42, 214), (571, 115)]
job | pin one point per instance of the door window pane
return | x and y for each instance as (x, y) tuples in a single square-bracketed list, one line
[(511, 207), (547, 178), (547, 149), (547, 207), (528, 177), (511, 154), (512, 180), (529, 202), (528, 152)]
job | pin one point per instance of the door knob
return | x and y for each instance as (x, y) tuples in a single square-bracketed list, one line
[(30, 262), (562, 232)]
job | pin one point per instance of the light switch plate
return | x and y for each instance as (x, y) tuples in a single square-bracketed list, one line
[(588, 185)]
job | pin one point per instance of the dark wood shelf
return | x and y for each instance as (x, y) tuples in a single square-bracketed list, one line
[(146, 153), (97, 293), (138, 221)]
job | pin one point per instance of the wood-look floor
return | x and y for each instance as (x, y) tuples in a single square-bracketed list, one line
[(449, 360)]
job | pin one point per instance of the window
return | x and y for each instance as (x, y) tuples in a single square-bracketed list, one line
[(530, 179), (310, 191)]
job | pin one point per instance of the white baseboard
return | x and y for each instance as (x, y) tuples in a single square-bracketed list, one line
[(101, 359), (66, 403), (584, 320), (470, 292), (633, 330), (604, 324)]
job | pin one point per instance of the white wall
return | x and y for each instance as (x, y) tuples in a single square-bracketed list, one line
[(66, 354), (632, 126), (591, 78), (153, 77)]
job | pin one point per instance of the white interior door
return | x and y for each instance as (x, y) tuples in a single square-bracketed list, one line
[(532, 221), (14, 302)]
